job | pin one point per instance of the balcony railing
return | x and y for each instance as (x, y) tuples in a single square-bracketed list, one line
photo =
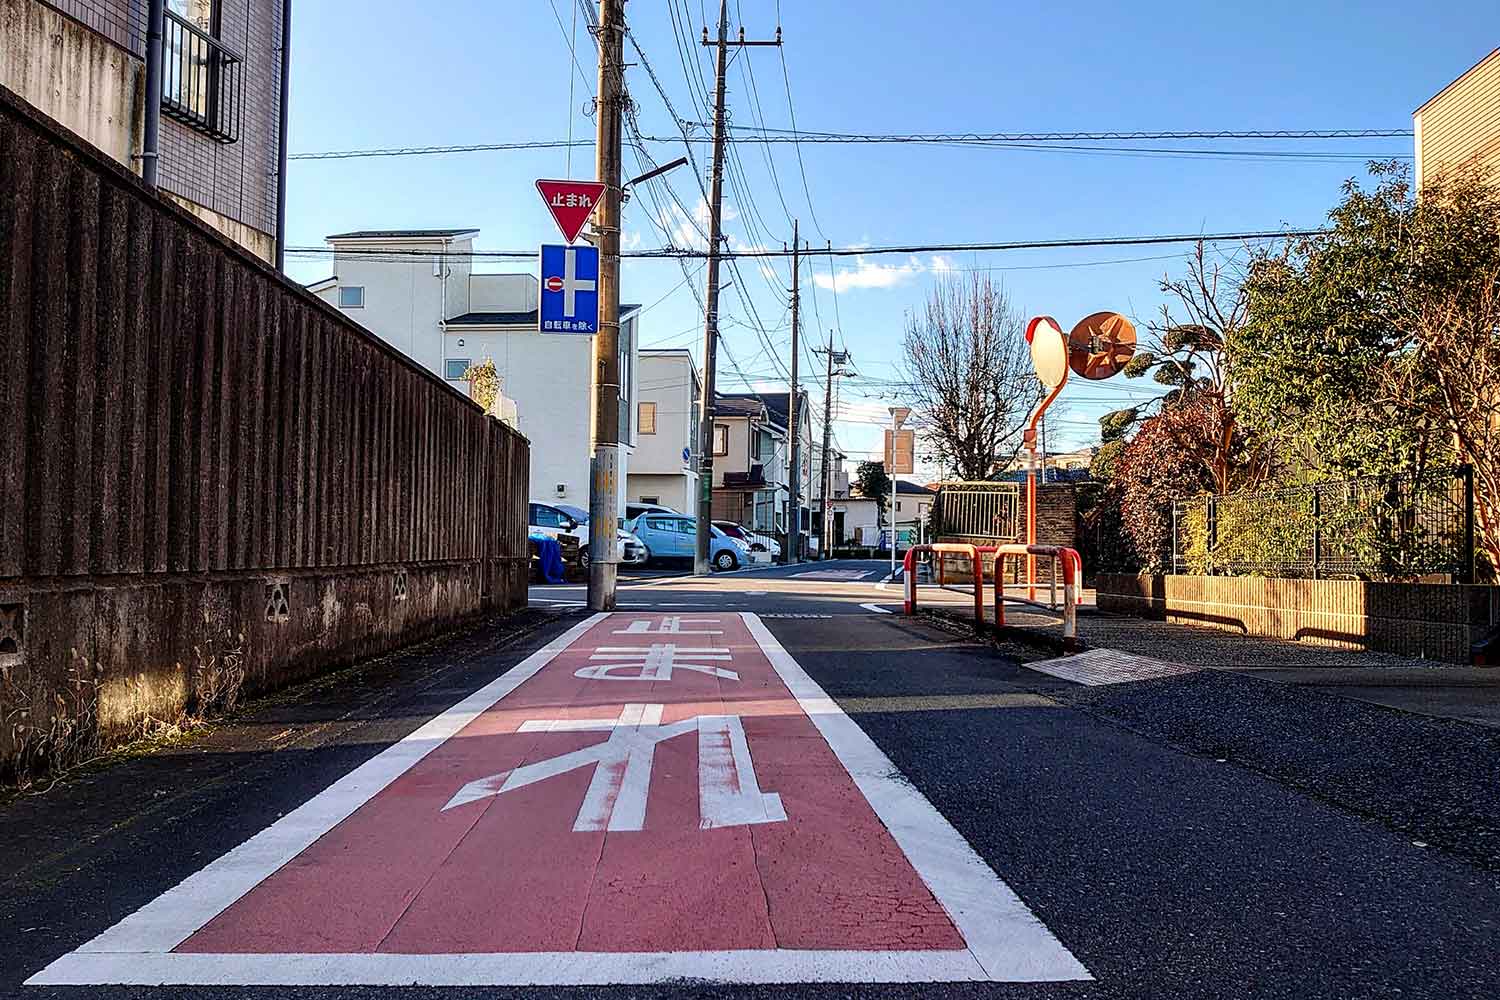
[(201, 80)]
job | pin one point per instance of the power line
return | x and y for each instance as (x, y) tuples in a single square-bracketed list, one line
[(672, 252), (1025, 140), (794, 135)]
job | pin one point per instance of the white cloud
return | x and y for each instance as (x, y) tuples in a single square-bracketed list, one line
[(939, 264), (869, 274)]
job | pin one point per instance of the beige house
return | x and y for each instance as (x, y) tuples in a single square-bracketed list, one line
[(1461, 125), (664, 467)]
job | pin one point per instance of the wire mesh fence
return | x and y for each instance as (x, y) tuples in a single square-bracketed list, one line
[(1377, 527)]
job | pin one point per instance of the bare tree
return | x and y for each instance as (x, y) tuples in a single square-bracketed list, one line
[(970, 376), (1447, 371), (1187, 352)]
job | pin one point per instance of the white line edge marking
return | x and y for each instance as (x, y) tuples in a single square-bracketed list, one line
[(1006, 942), (173, 917), (1002, 933), (876, 608)]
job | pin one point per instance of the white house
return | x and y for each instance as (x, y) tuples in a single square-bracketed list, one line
[(663, 468), (416, 290)]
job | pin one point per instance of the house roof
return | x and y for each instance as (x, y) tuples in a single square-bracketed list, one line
[(322, 283), (1459, 79), (774, 402), (495, 319), (528, 318), (902, 486), (404, 234), (737, 406)]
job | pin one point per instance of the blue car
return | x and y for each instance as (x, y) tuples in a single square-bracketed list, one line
[(674, 536)]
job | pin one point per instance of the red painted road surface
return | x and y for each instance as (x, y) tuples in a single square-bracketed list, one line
[(652, 797), (509, 873)]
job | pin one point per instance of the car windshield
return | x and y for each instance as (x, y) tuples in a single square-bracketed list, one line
[(576, 513)]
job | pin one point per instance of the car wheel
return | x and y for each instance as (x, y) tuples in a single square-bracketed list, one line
[(725, 560), (583, 558)]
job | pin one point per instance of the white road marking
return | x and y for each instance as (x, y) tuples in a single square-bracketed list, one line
[(1005, 941), (654, 663), (876, 608), (171, 918), (728, 791), (670, 624)]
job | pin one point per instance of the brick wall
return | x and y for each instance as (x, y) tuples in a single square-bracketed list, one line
[(237, 180), (209, 478), (1431, 620)]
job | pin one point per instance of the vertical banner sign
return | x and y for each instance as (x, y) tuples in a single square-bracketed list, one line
[(569, 290), (900, 452)]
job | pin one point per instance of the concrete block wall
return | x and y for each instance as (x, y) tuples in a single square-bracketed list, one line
[(1431, 620), (210, 481)]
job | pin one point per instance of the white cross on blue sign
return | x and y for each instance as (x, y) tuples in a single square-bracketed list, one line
[(570, 289)]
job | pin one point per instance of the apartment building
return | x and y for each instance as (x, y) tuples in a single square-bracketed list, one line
[(1460, 126), (416, 290), (663, 468), (216, 134)]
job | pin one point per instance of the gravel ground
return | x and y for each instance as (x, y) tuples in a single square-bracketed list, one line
[(1435, 780)]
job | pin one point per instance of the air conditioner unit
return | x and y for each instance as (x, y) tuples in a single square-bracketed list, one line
[(561, 489)]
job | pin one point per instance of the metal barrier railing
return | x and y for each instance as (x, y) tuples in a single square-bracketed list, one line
[(1072, 573), (909, 570)]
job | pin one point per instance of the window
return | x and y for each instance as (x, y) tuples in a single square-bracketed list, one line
[(546, 517), (200, 76), (754, 443), (648, 418), (650, 499), (721, 439), (351, 296), (659, 523), (454, 368)]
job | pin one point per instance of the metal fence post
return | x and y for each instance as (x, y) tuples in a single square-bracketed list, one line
[(1466, 473), (1317, 514)]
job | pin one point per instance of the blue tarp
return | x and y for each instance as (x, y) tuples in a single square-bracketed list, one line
[(549, 558)]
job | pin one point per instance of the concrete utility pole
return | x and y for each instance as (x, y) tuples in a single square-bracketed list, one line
[(824, 475), (793, 427), (604, 505), (711, 303)]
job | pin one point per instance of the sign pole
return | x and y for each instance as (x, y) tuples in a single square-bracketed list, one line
[(604, 506), (794, 421)]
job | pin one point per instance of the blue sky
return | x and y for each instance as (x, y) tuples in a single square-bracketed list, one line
[(368, 74)]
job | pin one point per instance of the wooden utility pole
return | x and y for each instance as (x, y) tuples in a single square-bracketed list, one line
[(793, 425), (711, 299), (826, 549), (604, 488)]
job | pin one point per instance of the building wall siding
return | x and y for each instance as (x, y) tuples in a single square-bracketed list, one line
[(74, 75), (236, 180), (1461, 125)]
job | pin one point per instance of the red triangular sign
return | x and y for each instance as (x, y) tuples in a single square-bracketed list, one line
[(571, 203)]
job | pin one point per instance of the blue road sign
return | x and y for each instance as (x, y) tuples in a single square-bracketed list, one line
[(570, 289)]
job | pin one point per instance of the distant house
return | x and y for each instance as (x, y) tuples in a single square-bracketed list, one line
[(221, 136), (416, 290), (752, 454), (1460, 125), (664, 468), (913, 502)]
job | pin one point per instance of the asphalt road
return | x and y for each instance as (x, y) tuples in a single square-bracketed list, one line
[(1168, 867)]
